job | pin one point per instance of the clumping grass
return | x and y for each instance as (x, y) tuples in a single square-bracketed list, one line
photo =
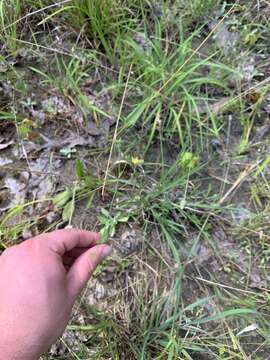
[(10, 12), (188, 165)]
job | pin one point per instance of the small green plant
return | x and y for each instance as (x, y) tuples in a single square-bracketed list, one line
[(25, 127), (68, 152), (110, 222), (189, 161)]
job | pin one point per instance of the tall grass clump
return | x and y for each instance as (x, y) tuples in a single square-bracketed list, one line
[(171, 82), (103, 22), (10, 12)]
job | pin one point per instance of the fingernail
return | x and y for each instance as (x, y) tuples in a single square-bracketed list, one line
[(106, 251), (69, 227)]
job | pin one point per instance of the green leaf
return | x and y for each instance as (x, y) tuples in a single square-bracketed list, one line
[(90, 201), (105, 212), (62, 198), (80, 169), (186, 354), (92, 182), (252, 38), (123, 219), (68, 211), (104, 233), (262, 166), (188, 160), (112, 232), (198, 303), (223, 315), (134, 116), (67, 152)]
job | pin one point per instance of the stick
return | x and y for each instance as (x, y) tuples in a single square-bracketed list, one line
[(115, 131)]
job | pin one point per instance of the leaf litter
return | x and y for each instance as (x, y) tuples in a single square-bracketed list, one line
[(44, 158)]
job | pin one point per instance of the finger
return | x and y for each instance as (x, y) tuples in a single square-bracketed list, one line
[(76, 252), (62, 241), (84, 266)]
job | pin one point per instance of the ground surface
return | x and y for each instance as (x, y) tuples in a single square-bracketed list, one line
[(149, 122)]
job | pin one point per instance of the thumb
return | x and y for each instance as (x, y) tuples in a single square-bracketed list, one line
[(84, 266)]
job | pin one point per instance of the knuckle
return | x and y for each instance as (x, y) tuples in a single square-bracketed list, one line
[(9, 251), (28, 244), (31, 245)]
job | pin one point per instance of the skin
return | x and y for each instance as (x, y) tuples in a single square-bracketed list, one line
[(40, 280)]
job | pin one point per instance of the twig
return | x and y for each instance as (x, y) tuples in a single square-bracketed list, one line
[(65, 53), (115, 131), (238, 182), (226, 286)]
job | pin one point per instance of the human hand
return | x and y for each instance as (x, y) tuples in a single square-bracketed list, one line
[(40, 280)]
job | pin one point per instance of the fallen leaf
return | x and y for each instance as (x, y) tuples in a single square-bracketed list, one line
[(248, 329), (257, 281), (93, 129), (5, 161), (16, 190), (51, 144), (6, 145), (261, 132), (54, 105), (69, 142), (43, 176), (215, 108), (247, 68), (39, 115), (224, 38), (3, 67), (253, 97)]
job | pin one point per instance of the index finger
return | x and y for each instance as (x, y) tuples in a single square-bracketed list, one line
[(62, 241)]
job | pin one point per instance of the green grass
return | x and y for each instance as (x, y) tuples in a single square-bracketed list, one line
[(173, 158), (171, 79), (10, 12)]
